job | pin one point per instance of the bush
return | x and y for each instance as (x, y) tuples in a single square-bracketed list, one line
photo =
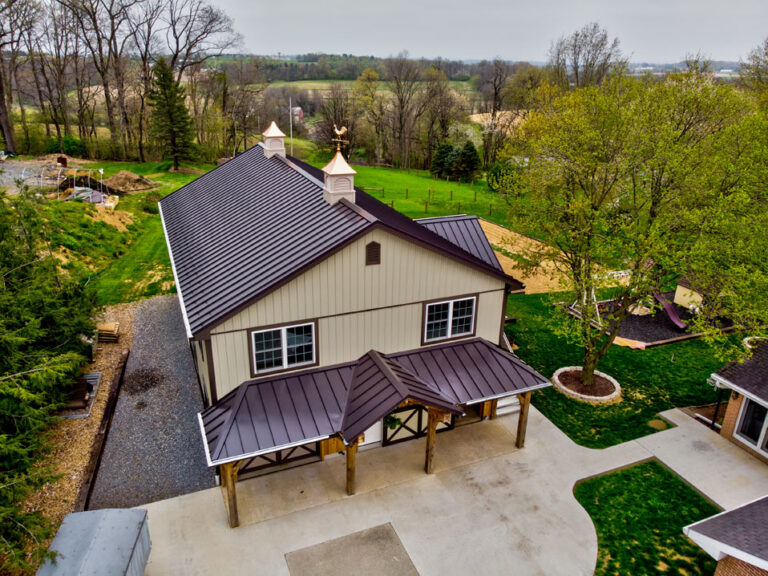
[(149, 203), (439, 159), (70, 146)]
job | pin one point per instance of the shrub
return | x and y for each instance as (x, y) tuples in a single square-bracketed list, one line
[(70, 146), (149, 203)]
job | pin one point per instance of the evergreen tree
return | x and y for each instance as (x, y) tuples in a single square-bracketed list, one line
[(468, 162), (171, 125), (438, 160), (43, 314), (452, 166)]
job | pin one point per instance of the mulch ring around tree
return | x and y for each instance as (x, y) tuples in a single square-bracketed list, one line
[(604, 390)]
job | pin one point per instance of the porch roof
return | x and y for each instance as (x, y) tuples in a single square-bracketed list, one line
[(273, 413)]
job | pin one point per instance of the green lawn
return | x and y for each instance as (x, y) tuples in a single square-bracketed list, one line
[(123, 265), (652, 380), (639, 513)]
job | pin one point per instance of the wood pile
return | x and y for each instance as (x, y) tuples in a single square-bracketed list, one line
[(108, 332)]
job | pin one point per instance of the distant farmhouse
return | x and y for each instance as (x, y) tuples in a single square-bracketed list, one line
[(322, 320)]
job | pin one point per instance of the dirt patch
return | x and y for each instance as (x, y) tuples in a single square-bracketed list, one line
[(54, 158), (185, 170), (601, 387), (161, 274), (545, 279), (71, 439), (657, 424), (120, 219), (125, 181), (142, 380)]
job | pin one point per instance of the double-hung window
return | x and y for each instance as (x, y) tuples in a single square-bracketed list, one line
[(449, 319), (284, 347), (752, 426)]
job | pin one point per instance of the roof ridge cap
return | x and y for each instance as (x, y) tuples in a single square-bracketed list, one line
[(381, 362), (230, 420)]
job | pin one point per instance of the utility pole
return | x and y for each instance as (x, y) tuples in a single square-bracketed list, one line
[(290, 117)]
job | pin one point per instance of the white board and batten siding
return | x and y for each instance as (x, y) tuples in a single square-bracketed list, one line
[(359, 307)]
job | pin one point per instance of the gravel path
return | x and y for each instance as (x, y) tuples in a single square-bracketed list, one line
[(154, 450)]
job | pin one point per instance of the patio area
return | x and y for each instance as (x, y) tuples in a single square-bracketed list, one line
[(488, 506)]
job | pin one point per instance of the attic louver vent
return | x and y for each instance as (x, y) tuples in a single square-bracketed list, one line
[(372, 254)]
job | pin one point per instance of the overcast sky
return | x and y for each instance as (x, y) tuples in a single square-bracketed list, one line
[(649, 30)]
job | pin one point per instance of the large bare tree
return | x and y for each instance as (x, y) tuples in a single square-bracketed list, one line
[(585, 57), (404, 81)]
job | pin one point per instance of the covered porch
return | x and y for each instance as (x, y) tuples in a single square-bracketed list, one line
[(328, 410)]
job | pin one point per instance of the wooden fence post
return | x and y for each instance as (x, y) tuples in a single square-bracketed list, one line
[(458, 210), (426, 206), (406, 193)]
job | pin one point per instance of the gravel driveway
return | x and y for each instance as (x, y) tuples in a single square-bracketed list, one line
[(154, 450)]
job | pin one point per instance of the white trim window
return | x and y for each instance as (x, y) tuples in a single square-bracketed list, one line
[(752, 427), (449, 319), (283, 347)]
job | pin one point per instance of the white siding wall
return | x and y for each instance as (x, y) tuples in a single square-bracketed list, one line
[(359, 307)]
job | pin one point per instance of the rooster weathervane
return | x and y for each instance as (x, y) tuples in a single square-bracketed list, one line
[(339, 140)]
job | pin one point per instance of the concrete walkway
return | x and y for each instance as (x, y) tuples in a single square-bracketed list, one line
[(488, 508)]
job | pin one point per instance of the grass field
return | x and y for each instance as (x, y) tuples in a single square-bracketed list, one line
[(134, 263), (123, 264), (325, 85), (652, 380), (639, 513)]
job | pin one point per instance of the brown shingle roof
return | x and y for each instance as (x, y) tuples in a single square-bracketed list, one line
[(741, 532), (269, 414), (232, 233), (750, 376)]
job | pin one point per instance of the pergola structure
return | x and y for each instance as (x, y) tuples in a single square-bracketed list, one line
[(330, 408)]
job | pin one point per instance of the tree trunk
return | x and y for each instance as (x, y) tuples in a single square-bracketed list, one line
[(5, 123), (588, 367)]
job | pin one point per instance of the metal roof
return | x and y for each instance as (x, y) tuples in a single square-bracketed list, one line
[(249, 225), (378, 386), (472, 371), (741, 533), (464, 231), (751, 376), (270, 414)]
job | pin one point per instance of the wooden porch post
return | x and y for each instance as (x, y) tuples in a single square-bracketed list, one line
[(494, 407), (522, 419), (351, 460), (432, 419), (228, 478)]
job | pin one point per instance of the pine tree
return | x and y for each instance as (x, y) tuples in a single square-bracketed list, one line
[(468, 162), (44, 312), (171, 125), (438, 160)]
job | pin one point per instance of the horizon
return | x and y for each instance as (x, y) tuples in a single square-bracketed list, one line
[(655, 32)]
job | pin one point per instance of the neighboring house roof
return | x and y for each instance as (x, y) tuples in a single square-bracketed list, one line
[(749, 377), (281, 411), (251, 224), (464, 231), (741, 533)]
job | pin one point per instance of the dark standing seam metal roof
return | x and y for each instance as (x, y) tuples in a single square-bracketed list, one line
[(745, 529), (267, 415), (378, 386), (245, 227), (464, 231), (750, 376)]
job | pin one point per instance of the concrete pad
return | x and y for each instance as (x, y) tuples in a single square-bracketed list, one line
[(375, 552), (722, 471), (324, 482), (488, 507)]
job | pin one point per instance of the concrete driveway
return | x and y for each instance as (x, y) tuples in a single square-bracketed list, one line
[(489, 508)]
